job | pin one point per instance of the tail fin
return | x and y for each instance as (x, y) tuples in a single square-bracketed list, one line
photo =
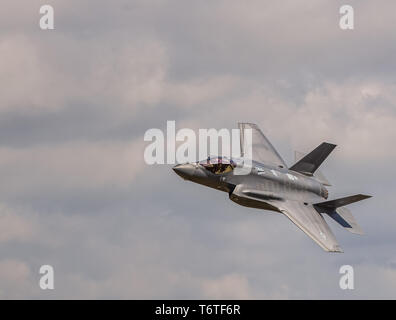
[(319, 176), (334, 208), (308, 164)]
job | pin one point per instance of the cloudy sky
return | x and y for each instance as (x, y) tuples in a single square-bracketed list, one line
[(76, 101)]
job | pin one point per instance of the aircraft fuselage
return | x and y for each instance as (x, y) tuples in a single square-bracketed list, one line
[(265, 181)]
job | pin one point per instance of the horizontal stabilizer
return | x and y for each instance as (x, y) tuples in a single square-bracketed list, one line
[(333, 204), (345, 218), (312, 161), (335, 210)]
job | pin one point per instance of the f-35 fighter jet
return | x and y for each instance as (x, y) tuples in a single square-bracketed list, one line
[(298, 192)]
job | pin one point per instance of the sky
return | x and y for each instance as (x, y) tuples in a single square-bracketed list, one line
[(75, 102)]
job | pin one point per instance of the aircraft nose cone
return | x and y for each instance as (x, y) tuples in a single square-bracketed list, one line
[(184, 170)]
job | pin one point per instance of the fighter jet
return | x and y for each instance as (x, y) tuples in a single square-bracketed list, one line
[(299, 192)]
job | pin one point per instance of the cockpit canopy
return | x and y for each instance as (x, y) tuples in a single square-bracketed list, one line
[(218, 165)]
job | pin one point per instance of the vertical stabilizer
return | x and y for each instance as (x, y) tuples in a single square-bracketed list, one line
[(311, 162), (319, 176)]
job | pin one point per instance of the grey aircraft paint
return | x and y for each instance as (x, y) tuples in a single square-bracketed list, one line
[(297, 192)]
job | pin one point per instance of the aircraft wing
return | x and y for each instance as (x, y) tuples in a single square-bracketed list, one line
[(310, 221), (262, 149)]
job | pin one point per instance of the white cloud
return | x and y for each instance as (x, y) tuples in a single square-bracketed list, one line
[(15, 279), (14, 226), (230, 286), (71, 165)]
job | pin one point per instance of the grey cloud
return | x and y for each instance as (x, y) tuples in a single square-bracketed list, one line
[(76, 101)]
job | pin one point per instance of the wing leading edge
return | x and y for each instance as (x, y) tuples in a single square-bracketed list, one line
[(306, 217), (310, 221)]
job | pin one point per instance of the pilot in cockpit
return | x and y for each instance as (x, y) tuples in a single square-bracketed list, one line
[(218, 165)]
